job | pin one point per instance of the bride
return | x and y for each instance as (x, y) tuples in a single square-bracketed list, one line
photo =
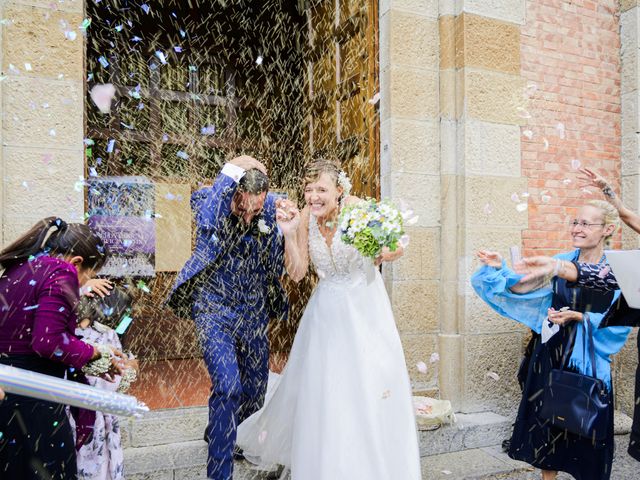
[(342, 408)]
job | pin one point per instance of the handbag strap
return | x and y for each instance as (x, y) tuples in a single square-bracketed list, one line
[(588, 333), (592, 349)]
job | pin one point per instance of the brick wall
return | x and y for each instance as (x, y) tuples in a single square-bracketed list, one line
[(570, 57)]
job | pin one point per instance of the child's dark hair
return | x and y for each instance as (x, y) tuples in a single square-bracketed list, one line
[(54, 236), (108, 310)]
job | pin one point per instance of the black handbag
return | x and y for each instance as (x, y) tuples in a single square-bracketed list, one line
[(576, 402)]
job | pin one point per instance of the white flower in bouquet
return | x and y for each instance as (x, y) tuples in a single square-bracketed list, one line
[(370, 226)]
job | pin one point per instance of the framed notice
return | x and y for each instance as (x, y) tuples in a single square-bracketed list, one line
[(121, 211)]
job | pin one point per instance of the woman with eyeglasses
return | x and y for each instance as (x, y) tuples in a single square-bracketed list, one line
[(598, 277), (541, 303)]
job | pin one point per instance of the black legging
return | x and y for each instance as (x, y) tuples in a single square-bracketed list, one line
[(36, 441)]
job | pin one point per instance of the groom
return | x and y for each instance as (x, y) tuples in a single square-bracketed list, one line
[(230, 287)]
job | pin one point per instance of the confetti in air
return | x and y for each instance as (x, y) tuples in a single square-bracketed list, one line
[(492, 376)]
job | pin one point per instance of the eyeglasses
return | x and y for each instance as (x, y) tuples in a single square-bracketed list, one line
[(585, 225)]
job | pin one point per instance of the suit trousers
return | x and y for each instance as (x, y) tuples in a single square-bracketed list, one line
[(236, 353)]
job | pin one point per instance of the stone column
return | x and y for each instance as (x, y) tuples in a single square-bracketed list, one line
[(410, 169), (625, 362), (42, 92), (481, 92), (629, 48)]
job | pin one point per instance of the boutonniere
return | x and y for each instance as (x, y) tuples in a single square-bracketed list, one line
[(263, 227), (260, 228)]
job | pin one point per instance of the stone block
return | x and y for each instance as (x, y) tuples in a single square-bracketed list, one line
[(450, 92), (167, 426), (428, 8), (480, 318), (415, 306), (624, 374), (500, 354), (630, 154), (44, 179), (418, 348), (421, 193), (412, 94), (415, 146), (37, 36), (447, 30), (488, 44), (165, 457), (507, 10), (413, 40), (193, 473), (451, 351), (48, 5), (476, 463), (630, 123), (13, 227), (450, 165), (42, 113), (487, 201), (471, 430), (420, 260), (491, 149), (158, 475), (494, 97), (627, 4), (629, 45)]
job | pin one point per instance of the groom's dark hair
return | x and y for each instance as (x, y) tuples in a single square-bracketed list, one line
[(254, 182)]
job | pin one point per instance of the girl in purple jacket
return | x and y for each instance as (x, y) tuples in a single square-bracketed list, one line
[(41, 273)]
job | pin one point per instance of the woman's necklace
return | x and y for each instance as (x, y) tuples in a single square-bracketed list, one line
[(589, 258)]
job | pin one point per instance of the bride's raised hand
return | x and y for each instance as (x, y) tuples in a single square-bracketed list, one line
[(287, 216)]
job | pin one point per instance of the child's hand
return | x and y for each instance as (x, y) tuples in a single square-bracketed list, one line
[(132, 363), (100, 286)]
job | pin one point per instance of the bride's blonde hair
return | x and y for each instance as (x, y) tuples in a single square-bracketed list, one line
[(318, 166)]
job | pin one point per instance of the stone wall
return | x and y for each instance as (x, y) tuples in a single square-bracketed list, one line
[(42, 95), (410, 167)]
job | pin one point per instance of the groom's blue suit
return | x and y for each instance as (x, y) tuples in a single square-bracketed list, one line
[(230, 286)]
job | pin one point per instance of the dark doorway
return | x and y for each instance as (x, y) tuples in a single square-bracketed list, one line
[(198, 82)]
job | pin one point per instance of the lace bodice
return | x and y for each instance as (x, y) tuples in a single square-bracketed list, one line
[(340, 264)]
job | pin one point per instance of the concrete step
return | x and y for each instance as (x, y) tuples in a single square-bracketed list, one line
[(168, 444), (170, 426)]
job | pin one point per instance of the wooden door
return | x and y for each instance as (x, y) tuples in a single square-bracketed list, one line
[(342, 85)]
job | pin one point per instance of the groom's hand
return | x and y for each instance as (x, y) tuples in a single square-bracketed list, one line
[(247, 163)]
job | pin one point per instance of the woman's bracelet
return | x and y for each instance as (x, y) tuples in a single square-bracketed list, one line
[(607, 191), (100, 365)]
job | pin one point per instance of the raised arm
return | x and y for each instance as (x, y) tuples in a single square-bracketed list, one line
[(295, 228), (212, 204), (592, 179)]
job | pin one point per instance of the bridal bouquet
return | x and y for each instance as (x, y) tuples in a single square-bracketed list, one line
[(370, 226)]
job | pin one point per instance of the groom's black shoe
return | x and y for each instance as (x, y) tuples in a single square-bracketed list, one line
[(238, 454)]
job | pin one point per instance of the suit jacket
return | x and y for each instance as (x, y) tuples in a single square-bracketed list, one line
[(211, 207)]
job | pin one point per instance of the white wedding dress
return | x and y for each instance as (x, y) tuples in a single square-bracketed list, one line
[(342, 408)]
